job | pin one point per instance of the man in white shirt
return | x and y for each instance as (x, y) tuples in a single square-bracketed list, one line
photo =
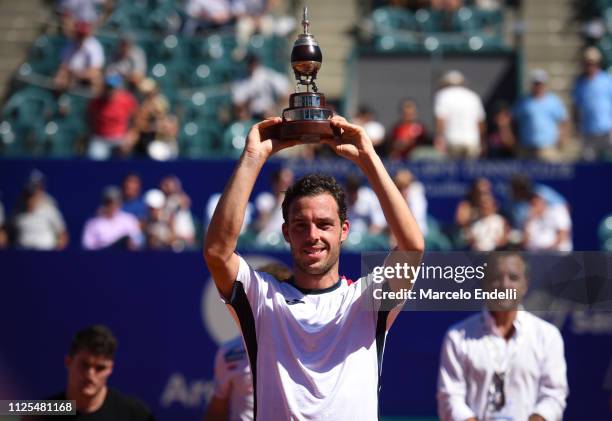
[(262, 91), (315, 350), (460, 118), (503, 363), (82, 61)]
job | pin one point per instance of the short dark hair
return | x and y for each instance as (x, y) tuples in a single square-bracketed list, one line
[(97, 339), (313, 185)]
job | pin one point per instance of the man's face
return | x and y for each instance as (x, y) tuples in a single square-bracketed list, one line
[(506, 273), (88, 373), (315, 233)]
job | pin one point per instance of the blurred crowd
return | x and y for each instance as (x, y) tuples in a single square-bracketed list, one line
[(518, 216), (536, 127)]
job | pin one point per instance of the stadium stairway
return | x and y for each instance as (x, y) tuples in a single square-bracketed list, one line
[(552, 42), (330, 23), (20, 23)]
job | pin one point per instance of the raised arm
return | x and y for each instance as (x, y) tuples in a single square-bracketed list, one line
[(355, 145), (224, 227)]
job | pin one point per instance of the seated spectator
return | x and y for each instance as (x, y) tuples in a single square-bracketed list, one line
[(211, 205), (363, 209), (155, 128), (593, 107), (82, 61), (112, 227), (110, 116), (460, 118), (158, 232), (366, 118), (542, 121), (501, 141), (414, 193), (269, 208), (408, 133), (490, 230), (130, 62), (207, 15), (259, 17), (177, 211), (37, 223), (262, 92), (468, 210), (548, 228), (521, 192), (90, 11), (131, 197)]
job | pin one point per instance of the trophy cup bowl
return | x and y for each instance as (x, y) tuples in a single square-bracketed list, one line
[(307, 118)]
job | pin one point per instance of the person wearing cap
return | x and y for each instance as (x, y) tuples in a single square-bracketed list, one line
[(82, 61), (542, 121), (158, 231), (460, 118), (593, 106), (112, 227), (110, 118)]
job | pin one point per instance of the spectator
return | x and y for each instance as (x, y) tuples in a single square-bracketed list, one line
[(468, 209), (38, 223), (156, 129), (548, 228), (542, 121), (366, 118), (89, 363), (414, 193), (211, 205), (460, 118), (262, 91), (130, 62), (363, 210), (269, 210), (112, 227), (408, 133), (593, 106), (110, 116), (157, 229), (178, 213), (259, 17), (90, 11), (489, 231), (207, 15), (521, 192), (501, 141), (503, 363), (131, 188), (82, 61)]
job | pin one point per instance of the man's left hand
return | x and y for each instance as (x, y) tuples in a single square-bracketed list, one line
[(353, 142)]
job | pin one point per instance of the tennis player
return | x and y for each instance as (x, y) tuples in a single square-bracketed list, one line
[(314, 343)]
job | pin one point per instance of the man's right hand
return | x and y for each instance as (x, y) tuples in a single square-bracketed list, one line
[(263, 140)]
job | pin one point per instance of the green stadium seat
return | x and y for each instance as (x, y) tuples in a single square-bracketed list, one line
[(197, 140)]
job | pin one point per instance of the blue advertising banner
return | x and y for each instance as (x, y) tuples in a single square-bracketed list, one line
[(169, 321)]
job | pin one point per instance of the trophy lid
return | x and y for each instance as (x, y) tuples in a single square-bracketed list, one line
[(311, 50)]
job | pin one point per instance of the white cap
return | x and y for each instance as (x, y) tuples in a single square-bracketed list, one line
[(538, 76), (453, 77), (155, 199)]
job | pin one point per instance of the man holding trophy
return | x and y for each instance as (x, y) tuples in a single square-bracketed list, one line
[(314, 348)]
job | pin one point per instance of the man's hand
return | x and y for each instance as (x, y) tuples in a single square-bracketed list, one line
[(263, 140), (536, 417), (353, 142)]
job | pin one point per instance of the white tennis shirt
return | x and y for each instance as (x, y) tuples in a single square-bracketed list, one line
[(315, 355)]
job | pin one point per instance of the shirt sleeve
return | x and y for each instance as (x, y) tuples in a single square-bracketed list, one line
[(253, 285), (89, 237), (452, 387), (97, 54), (222, 376), (553, 388), (560, 112)]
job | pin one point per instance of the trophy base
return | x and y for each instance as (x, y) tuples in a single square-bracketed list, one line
[(307, 131)]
